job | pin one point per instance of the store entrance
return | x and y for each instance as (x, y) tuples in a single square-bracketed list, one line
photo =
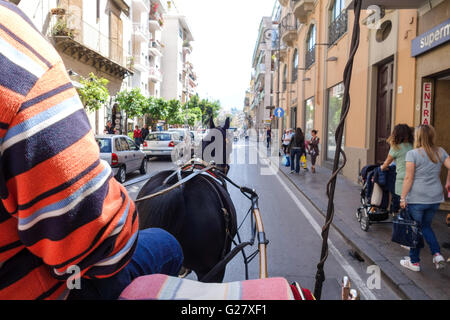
[(441, 120)]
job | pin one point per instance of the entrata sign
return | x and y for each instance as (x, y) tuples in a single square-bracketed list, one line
[(426, 107), (431, 39)]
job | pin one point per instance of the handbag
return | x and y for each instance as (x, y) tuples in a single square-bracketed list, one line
[(406, 231)]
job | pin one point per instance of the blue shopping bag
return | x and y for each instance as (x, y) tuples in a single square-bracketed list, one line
[(286, 162)]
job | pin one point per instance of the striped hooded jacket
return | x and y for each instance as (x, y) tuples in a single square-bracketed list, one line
[(60, 206)]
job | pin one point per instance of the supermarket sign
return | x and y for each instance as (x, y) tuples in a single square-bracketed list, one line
[(426, 106), (431, 39)]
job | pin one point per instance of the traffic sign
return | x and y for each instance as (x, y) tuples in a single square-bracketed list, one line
[(279, 112)]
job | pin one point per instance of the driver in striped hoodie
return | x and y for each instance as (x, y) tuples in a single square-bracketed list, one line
[(63, 217)]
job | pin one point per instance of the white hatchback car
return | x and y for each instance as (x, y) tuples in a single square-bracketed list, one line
[(160, 144)]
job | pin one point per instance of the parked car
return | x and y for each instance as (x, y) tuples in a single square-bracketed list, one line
[(183, 134), (122, 154), (161, 143)]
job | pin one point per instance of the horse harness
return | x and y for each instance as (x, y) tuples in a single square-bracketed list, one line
[(216, 183)]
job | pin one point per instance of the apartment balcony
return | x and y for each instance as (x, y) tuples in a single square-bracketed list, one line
[(289, 30), (156, 21), (390, 4), (260, 71), (155, 75), (284, 3), (310, 57), (141, 6), (141, 63), (88, 45), (155, 48), (141, 32), (337, 28), (302, 8)]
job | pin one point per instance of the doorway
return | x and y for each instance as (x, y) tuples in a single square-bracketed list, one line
[(385, 89), (440, 120)]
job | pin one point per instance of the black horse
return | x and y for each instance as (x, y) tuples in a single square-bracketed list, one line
[(200, 213)]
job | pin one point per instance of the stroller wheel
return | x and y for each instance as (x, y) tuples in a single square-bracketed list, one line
[(365, 220), (364, 223)]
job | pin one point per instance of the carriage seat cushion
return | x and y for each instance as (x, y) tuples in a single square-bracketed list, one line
[(162, 287)]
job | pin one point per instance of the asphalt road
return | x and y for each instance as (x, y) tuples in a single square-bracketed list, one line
[(292, 225)]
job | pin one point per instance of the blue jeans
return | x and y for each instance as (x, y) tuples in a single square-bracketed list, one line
[(157, 252), (295, 159), (423, 214)]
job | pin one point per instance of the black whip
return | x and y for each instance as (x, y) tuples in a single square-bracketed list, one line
[(337, 168)]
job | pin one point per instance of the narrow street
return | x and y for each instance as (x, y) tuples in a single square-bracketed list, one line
[(292, 225)]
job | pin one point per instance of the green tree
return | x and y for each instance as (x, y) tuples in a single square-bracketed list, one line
[(133, 103), (94, 92), (194, 116), (174, 112), (155, 109)]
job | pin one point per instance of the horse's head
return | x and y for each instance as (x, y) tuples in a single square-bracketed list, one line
[(217, 145)]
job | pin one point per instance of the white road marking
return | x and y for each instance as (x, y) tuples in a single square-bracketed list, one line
[(351, 272)]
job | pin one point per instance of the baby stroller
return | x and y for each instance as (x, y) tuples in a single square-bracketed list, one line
[(378, 200)]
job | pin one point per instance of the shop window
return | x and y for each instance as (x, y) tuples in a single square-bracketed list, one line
[(309, 117), (335, 95)]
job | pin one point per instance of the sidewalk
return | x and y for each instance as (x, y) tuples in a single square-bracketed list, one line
[(375, 246)]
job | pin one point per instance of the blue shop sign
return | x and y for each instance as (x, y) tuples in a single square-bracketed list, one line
[(431, 39)]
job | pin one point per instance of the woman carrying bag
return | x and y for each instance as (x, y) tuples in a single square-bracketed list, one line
[(422, 191), (296, 149)]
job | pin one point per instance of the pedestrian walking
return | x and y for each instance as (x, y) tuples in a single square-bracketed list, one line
[(109, 129), (314, 149), (422, 191), (296, 149), (401, 141), (137, 135), (286, 139), (144, 133), (268, 137)]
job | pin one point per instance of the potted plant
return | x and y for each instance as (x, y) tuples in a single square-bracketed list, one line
[(58, 11), (61, 29)]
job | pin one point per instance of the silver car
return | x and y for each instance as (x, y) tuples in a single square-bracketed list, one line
[(122, 154), (159, 144)]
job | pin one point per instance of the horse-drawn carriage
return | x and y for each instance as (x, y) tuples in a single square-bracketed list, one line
[(194, 205)]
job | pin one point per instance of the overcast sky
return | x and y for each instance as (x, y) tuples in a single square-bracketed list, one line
[(225, 33)]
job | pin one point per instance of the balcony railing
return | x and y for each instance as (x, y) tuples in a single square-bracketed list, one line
[(337, 28), (260, 70), (83, 37), (154, 73), (141, 30), (310, 57), (288, 29), (155, 47)]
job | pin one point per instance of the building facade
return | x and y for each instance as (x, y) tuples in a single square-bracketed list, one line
[(262, 75), (317, 38), (431, 51), (91, 37), (180, 80)]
